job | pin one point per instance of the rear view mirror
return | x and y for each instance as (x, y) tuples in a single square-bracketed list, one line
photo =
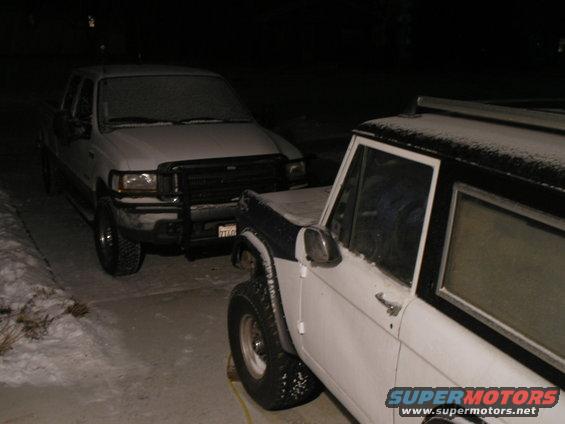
[(320, 247)]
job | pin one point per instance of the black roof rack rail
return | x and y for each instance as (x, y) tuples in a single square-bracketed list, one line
[(514, 115)]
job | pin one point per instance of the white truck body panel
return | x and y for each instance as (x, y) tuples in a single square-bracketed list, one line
[(451, 355)]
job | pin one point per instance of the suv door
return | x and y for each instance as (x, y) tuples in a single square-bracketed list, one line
[(350, 313)]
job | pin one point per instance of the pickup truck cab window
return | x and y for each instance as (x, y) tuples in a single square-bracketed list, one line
[(84, 106), (380, 210), (71, 93), (505, 264)]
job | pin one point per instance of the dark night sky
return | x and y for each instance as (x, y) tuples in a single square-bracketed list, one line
[(298, 32)]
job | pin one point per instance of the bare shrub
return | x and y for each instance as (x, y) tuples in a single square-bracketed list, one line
[(10, 333), (77, 309)]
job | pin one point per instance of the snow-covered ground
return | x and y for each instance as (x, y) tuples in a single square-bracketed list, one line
[(45, 343)]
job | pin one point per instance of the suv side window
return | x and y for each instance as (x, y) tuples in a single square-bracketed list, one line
[(380, 211), (504, 263), (84, 105), (71, 93)]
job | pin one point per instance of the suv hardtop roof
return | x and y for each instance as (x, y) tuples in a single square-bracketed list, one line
[(501, 145), (103, 71)]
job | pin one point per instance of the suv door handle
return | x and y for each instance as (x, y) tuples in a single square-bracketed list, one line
[(91, 154), (392, 308)]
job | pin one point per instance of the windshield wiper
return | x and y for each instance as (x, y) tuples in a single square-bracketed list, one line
[(199, 120), (136, 120), (238, 120), (133, 122), (209, 120)]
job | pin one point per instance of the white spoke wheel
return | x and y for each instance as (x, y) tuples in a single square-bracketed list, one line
[(272, 377), (252, 346)]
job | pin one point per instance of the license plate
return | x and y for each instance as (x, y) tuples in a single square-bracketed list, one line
[(228, 230)]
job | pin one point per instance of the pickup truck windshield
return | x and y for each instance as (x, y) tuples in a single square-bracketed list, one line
[(178, 99)]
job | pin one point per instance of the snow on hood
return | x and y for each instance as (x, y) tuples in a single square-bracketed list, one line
[(146, 147), (301, 207)]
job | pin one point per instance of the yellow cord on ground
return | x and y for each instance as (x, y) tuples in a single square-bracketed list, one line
[(246, 413)]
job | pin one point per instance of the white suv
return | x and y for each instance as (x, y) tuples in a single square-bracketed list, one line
[(437, 259)]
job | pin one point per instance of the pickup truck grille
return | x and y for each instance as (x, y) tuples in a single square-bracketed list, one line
[(221, 181)]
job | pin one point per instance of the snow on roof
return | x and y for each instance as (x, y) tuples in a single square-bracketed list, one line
[(532, 154), (135, 70)]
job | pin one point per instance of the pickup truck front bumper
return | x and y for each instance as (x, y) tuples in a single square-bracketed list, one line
[(195, 197), (168, 224)]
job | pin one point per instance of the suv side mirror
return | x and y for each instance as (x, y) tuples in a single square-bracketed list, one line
[(320, 247)]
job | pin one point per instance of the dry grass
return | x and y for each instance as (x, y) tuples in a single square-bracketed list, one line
[(27, 322), (77, 309), (10, 333), (34, 327)]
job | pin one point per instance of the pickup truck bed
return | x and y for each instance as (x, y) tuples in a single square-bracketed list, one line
[(279, 216)]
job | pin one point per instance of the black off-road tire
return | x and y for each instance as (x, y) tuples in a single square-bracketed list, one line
[(117, 254), (286, 381), (52, 177)]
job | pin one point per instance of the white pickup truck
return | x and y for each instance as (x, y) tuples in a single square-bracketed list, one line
[(160, 154), (436, 260)]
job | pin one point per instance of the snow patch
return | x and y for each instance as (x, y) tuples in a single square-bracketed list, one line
[(51, 346)]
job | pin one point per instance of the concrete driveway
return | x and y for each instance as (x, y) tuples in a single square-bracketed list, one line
[(164, 328)]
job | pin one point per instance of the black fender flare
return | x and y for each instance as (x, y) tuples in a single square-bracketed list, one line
[(249, 240)]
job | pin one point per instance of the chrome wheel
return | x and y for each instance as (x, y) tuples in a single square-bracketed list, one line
[(252, 346), (105, 237)]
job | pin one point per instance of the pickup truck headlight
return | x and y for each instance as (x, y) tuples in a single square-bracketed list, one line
[(296, 170), (135, 182)]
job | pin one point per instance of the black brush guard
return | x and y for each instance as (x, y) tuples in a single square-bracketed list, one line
[(212, 182)]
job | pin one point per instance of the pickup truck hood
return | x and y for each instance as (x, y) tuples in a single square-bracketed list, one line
[(146, 147)]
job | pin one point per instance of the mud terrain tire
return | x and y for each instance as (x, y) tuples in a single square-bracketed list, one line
[(272, 377)]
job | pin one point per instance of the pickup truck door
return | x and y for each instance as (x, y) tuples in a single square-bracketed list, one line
[(350, 313), (68, 105), (81, 155)]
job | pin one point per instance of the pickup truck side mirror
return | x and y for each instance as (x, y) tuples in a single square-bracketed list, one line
[(80, 129), (320, 247), (68, 129), (61, 125)]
